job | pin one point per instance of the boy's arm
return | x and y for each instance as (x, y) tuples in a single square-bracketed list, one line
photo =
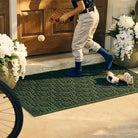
[(80, 8)]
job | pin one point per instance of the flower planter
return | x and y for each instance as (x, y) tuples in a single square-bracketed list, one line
[(7, 78), (125, 34), (129, 63), (12, 60)]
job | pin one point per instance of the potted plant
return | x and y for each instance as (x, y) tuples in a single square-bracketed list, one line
[(12, 60), (125, 34)]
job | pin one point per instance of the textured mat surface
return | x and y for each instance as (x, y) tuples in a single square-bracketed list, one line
[(53, 91)]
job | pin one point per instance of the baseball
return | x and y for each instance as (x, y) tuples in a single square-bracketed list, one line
[(41, 38)]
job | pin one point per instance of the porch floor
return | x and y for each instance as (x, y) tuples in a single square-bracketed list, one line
[(46, 63), (117, 117)]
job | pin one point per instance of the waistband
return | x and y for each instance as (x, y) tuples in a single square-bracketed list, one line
[(87, 10)]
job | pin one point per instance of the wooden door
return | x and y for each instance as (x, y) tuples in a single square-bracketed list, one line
[(33, 20), (102, 9), (4, 16)]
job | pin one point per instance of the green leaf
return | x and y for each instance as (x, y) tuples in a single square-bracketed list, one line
[(1, 59), (14, 56), (116, 19), (14, 41), (113, 33)]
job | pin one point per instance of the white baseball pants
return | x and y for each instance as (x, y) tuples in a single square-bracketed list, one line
[(83, 34)]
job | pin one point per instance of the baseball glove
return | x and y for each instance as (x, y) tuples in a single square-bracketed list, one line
[(111, 78), (126, 77), (58, 13)]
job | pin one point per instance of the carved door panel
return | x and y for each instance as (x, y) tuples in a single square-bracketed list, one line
[(4, 16), (33, 20), (102, 9)]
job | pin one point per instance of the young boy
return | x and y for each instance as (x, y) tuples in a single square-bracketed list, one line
[(88, 20)]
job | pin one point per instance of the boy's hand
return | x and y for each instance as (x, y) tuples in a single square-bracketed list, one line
[(64, 18), (61, 15)]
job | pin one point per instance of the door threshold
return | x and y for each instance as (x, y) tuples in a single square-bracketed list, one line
[(47, 63)]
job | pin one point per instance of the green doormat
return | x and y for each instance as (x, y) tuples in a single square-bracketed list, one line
[(52, 91)]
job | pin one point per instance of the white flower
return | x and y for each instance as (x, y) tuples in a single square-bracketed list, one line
[(124, 42), (15, 69), (8, 49), (6, 46), (125, 34), (126, 22)]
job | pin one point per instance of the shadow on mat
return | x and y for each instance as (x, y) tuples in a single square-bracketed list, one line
[(104, 82)]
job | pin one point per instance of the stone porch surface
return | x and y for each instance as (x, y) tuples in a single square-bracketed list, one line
[(117, 117), (39, 64)]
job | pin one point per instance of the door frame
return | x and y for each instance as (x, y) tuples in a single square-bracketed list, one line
[(13, 18)]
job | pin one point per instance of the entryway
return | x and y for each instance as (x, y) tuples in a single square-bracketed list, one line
[(33, 20)]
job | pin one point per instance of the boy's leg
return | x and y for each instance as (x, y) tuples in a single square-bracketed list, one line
[(96, 47), (80, 37), (108, 58), (75, 72)]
